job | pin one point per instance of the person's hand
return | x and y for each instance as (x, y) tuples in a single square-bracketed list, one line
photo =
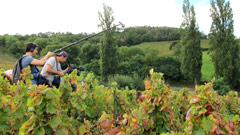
[(61, 74), (70, 66), (50, 54)]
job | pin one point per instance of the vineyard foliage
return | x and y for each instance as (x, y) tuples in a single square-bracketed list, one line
[(32, 109)]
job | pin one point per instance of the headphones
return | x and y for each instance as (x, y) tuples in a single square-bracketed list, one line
[(33, 47)]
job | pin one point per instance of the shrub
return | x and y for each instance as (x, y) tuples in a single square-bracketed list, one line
[(123, 81), (138, 82), (221, 86), (169, 66)]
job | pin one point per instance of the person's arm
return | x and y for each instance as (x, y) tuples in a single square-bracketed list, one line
[(65, 71), (42, 60), (49, 69)]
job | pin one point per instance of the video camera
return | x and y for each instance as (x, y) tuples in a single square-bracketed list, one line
[(79, 69)]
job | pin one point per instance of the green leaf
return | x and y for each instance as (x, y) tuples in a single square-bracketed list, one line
[(89, 111), (50, 95), (39, 131), (4, 127), (29, 102), (84, 95), (20, 112), (114, 84), (78, 106), (44, 91), (226, 119), (99, 93), (33, 126), (40, 100), (51, 108), (31, 109), (54, 122), (57, 92), (161, 129), (200, 132), (234, 117), (193, 110), (82, 130), (231, 117), (206, 124), (62, 131), (203, 110), (154, 133), (7, 109), (3, 116), (17, 125), (23, 91)]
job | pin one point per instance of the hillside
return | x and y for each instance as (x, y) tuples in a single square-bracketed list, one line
[(163, 49), (163, 46), (6, 61)]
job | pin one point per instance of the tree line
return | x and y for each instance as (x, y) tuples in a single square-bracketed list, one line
[(128, 37), (15, 44)]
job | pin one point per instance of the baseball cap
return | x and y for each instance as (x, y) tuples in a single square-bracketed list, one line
[(62, 53)]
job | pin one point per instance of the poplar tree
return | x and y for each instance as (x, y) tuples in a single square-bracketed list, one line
[(190, 53), (223, 43), (108, 49)]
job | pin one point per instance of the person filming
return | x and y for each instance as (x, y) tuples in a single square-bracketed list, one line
[(52, 68)]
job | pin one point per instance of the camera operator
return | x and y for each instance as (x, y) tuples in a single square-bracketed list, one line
[(52, 68)]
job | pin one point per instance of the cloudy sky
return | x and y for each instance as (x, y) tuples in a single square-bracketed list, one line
[(77, 16)]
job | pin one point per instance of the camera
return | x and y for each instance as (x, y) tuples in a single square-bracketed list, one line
[(79, 69)]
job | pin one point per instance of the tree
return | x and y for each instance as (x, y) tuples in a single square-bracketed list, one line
[(108, 49), (223, 43), (41, 42), (190, 55), (2, 41), (89, 52)]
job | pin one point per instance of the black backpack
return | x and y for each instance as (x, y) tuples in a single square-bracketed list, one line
[(17, 70)]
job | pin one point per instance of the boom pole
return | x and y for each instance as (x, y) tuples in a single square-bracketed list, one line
[(86, 38)]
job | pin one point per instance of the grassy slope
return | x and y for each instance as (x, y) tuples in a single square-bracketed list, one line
[(163, 49), (205, 43), (6, 61), (207, 67)]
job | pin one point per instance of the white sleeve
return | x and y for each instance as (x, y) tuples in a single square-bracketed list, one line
[(59, 67), (51, 61)]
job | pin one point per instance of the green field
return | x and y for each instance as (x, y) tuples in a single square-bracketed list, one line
[(163, 49), (6, 61), (207, 67), (204, 43)]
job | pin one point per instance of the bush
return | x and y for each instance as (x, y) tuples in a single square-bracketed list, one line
[(126, 81), (221, 86), (93, 66), (135, 65), (122, 80), (169, 66), (138, 82)]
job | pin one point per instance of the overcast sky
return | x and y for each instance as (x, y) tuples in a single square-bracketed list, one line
[(77, 16)]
